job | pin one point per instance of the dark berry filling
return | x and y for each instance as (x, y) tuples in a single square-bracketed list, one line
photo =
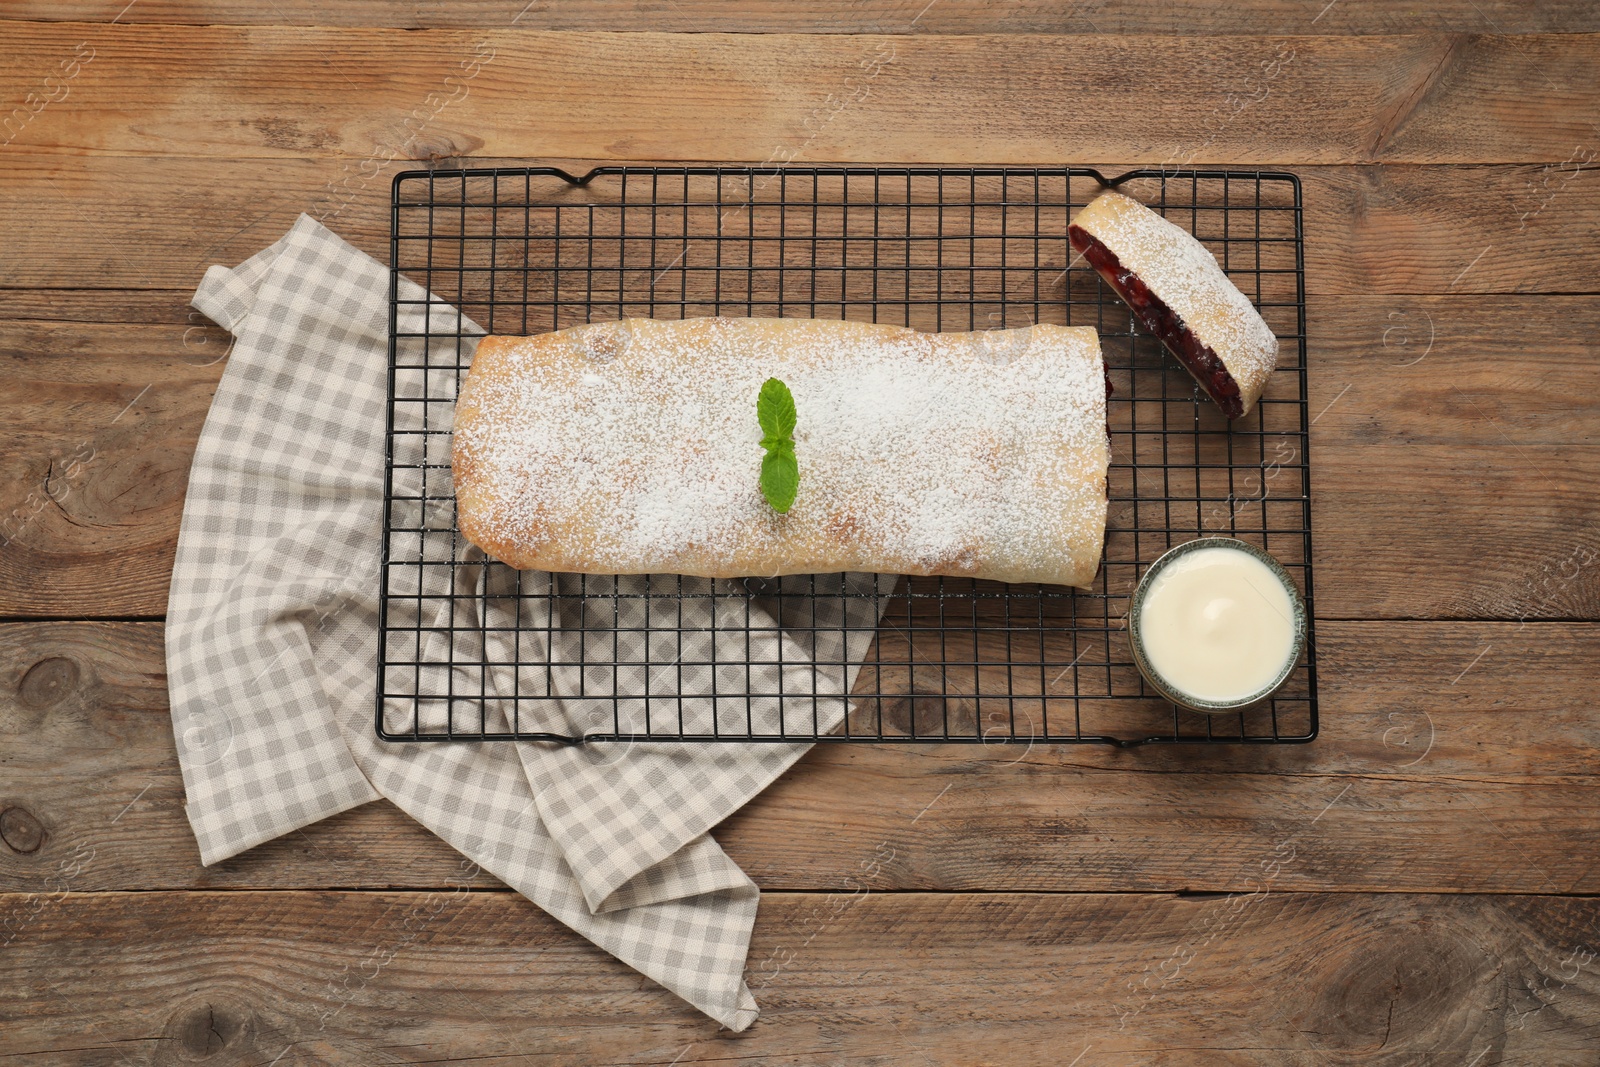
[(1161, 320)]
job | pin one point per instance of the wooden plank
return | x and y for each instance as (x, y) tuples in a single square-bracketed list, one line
[(862, 16), (1435, 454), (106, 420), (487, 978), (157, 223), (1462, 230), (147, 306), (1430, 450), (1497, 497), (1427, 433), (1453, 757), (1437, 370), (276, 92)]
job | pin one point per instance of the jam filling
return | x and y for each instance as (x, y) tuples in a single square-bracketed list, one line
[(1153, 312)]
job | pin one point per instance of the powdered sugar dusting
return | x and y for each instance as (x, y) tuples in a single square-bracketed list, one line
[(1187, 277), (634, 446)]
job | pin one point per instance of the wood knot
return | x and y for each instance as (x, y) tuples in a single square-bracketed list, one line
[(48, 682), (20, 830), (432, 146), (1397, 987), (212, 1029), (921, 713)]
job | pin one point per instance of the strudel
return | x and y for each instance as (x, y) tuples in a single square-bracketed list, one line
[(635, 447), (1175, 287)]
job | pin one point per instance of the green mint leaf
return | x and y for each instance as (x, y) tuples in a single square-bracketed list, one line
[(775, 409), (780, 471), (780, 477)]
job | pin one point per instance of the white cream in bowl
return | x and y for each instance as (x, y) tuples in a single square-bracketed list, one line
[(1216, 625)]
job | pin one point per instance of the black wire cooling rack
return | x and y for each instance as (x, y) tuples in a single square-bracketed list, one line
[(469, 650)]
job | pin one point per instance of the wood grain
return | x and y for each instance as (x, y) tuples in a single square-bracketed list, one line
[(1430, 451), (860, 16), (157, 223), (104, 428), (277, 92), (844, 978), (1453, 756), (147, 306), (1429, 859)]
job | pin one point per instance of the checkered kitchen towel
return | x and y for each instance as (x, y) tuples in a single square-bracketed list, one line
[(272, 653)]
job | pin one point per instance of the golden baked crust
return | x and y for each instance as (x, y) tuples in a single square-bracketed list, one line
[(633, 447), (1185, 276)]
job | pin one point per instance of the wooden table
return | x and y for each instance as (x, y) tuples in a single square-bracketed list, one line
[(1417, 886)]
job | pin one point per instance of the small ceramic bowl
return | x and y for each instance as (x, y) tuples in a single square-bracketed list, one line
[(1167, 689)]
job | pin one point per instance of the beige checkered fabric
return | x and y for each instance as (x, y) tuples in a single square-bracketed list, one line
[(272, 654)]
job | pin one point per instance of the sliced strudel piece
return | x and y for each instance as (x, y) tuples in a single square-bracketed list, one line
[(1179, 293), (635, 447)]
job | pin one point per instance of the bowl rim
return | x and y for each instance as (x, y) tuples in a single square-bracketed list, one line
[(1171, 692)]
